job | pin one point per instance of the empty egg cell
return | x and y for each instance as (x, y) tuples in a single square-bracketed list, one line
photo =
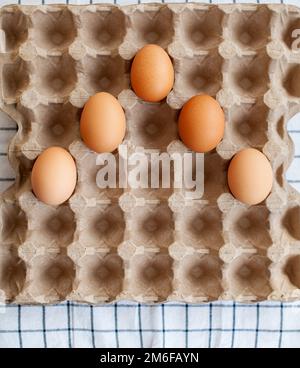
[(53, 30), (152, 226), (55, 76), (57, 225), (102, 227), (250, 227), (249, 75), (150, 181), (200, 76), (15, 27), (290, 34), (100, 277), (151, 276), (105, 73), (291, 80), (292, 270), (251, 29), (248, 277), (15, 76), (152, 26), (57, 125), (249, 125), (199, 276), (214, 184), (201, 29), (13, 223), (51, 278), (12, 273), (93, 178), (291, 221), (200, 227), (152, 125), (102, 30), (23, 169)]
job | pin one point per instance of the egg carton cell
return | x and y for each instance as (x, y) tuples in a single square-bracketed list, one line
[(200, 76), (51, 278), (291, 269), (13, 223), (251, 29), (54, 125), (48, 226), (101, 227), (199, 276), (93, 182), (144, 186), (151, 226), (201, 29), (12, 274), (53, 30), (285, 224), (250, 227), (249, 278), (200, 226), (104, 74), (152, 126), (15, 76), (289, 25), (14, 25), (291, 80), (99, 277), (102, 30), (55, 77), (248, 125), (249, 76), (151, 276), (214, 184), (290, 222), (285, 274)]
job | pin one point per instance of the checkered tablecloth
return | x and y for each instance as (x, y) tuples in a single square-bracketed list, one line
[(226, 324)]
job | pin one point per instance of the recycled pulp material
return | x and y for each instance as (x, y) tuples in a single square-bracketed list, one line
[(149, 245)]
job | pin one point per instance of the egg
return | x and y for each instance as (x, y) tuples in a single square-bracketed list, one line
[(250, 176), (152, 73), (102, 123), (54, 176), (201, 123)]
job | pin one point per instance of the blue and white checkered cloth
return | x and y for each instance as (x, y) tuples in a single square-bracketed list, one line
[(170, 325), (225, 324)]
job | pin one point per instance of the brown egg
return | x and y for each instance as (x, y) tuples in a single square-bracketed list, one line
[(54, 176), (152, 73), (102, 123), (201, 123), (250, 176)]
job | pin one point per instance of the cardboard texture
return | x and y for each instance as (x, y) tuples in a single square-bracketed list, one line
[(149, 245)]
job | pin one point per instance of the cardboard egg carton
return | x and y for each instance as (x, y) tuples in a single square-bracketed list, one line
[(149, 245)]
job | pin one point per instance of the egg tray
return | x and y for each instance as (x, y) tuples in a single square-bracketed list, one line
[(149, 245)]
